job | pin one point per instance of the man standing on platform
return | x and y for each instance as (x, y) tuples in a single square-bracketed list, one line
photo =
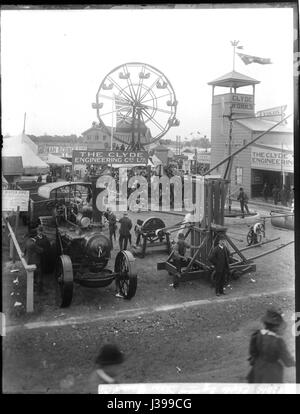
[(219, 257), (126, 225)]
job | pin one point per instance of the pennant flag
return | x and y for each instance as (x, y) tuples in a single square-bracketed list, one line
[(122, 108), (247, 59)]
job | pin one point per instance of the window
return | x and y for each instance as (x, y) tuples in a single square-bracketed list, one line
[(239, 175)]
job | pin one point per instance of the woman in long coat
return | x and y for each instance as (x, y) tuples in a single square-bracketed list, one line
[(268, 351)]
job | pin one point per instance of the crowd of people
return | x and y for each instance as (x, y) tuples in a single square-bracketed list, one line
[(283, 194)]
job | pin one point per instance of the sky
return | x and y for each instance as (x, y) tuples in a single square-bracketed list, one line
[(53, 61)]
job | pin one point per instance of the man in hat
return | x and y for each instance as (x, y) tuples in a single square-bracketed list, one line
[(243, 199), (112, 224), (32, 254), (268, 351), (108, 367), (219, 257), (125, 227)]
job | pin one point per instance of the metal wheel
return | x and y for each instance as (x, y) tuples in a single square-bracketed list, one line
[(126, 278), (250, 238), (140, 100), (64, 275)]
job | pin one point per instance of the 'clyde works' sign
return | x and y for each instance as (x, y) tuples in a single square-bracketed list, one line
[(109, 157)]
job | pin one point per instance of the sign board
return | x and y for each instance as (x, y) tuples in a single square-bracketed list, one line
[(242, 103), (12, 199), (273, 114), (271, 159), (109, 157), (203, 158)]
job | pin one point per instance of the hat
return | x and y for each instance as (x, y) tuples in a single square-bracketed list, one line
[(181, 235), (272, 317), (109, 354)]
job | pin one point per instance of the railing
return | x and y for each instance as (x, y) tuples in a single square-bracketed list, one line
[(29, 270)]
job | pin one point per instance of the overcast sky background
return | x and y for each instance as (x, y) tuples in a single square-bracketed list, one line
[(53, 61)]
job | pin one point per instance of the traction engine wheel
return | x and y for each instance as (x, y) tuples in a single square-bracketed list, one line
[(64, 275), (126, 278)]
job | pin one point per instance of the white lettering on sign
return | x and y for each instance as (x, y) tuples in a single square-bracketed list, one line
[(272, 160), (12, 199), (109, 157)]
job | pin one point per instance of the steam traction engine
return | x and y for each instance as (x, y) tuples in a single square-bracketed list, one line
[(82, 251)]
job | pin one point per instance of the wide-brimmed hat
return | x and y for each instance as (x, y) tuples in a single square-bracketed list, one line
[(273, 317), (109, 354)]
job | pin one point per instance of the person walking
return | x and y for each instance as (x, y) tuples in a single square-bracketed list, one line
[(268, 351), (243, 199), (219, 257), (32, 254), (125, 227), (40, 178)]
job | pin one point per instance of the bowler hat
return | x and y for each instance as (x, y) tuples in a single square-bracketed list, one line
[(273, 317), (109, 354)]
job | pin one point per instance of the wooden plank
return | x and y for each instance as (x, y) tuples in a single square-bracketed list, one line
[(223, 196), (270, 251), (255, 245)]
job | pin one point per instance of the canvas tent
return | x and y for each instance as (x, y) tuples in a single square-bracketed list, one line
[(22, 146)]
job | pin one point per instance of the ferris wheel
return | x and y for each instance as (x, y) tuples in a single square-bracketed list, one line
[(136, 104)]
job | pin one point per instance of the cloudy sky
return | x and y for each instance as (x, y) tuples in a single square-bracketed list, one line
[(53, 61)]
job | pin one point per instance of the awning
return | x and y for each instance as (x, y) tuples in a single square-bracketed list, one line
[(51, 159)]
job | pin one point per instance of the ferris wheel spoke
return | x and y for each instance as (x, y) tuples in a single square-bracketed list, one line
[(149, 89), (158, 97), (115, 111), (139, 89), (157, 124), (120, 89), (129, 83), (158, 109)]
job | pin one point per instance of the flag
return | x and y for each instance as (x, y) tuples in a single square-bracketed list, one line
[(121, 105), (247, 59)]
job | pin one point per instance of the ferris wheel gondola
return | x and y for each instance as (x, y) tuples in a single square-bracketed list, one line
[(136, 104)]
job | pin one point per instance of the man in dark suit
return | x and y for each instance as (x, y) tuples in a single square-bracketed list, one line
[(125, 227), (219, 257)]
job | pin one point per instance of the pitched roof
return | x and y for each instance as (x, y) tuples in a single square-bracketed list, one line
[(233, 79), (261, 125)]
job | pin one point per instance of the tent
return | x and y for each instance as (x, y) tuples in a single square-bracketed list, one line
[(54, 160), (22, 146)]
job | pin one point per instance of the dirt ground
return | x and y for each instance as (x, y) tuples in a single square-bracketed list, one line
[(168, 335)]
